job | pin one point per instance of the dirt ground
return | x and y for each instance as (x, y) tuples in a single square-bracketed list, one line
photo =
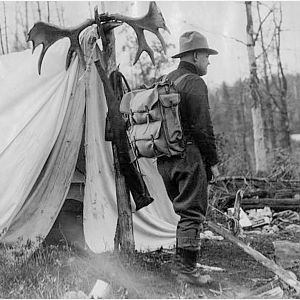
[(148, 274)]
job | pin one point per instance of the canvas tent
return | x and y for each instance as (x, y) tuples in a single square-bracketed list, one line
[(42, 120)]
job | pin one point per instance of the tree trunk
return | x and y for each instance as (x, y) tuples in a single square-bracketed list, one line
[(284, 134), (48, 11), (267, 105), (39, 10), (5, 28), (256, 110), (25, 23), (124, 238), (1, 41), (241, 120)]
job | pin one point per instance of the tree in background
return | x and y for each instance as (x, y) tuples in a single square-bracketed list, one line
[(3, 31), (13, 37), (280, 83), (268, 84), (267, 107), (144, 72), (256, 110)]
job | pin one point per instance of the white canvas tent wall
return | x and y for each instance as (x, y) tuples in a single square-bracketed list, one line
[(41, 124)]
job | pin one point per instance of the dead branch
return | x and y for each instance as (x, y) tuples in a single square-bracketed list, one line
[(5, 27), (48, 11), (286, 276), (39, 10), (1, 41)]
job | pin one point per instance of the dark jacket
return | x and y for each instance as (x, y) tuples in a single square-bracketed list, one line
[(194, 111)]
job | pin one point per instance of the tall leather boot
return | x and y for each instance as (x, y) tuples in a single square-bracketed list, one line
[(186, 268)]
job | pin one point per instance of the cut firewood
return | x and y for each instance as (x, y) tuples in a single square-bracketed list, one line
[(287, 276)]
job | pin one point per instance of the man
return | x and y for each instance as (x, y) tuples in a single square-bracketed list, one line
[(185, 176)]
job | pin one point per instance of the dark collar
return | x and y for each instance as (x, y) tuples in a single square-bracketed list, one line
[(188, 66)]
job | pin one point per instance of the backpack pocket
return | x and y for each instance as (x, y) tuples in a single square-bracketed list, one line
[(146, 140), (171, 122)]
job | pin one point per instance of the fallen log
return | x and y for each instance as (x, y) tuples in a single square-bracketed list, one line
[(259, 179), (229, 200), (282, 204), (286, 193), (287, 276)]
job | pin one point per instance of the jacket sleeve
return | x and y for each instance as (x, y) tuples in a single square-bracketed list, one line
[(200, 125)]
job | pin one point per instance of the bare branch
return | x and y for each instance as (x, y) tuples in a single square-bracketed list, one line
[(48, 11), (39, 10), (261, 22), (26, 20), (58, 14), (1, 41)]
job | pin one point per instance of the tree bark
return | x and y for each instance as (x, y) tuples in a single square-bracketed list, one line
[(124, 239), (256, 110), (284, 134), (267, 105), (1, 41)]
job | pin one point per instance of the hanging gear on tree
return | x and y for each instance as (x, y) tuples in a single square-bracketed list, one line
[(128, 163)]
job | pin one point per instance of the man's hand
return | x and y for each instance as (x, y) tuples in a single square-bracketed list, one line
[(215, 171)]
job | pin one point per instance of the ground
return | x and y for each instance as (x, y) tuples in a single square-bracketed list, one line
[(58, 268)]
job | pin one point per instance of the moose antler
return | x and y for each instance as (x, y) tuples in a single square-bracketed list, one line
[(47, 35), (152, 21)]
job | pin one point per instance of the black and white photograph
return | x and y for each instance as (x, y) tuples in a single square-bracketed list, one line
[(149, 149)]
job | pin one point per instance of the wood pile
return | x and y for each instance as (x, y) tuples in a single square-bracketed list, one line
[(279, 195)]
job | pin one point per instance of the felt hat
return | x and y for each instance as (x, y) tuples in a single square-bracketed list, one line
[(191, 41)]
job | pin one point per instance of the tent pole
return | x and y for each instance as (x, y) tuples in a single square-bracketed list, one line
[(124, 239)]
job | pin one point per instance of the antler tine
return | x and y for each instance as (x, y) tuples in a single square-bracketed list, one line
[(152, 21), (143, 46)]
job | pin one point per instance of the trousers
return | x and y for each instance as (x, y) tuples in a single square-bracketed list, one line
[(186, 184)]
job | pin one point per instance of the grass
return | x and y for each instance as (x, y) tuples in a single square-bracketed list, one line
[(53, 271), (45, 274)]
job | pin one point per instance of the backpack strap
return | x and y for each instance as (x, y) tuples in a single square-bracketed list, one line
[(180, 78)]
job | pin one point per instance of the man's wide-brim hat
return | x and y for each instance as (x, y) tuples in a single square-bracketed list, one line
[(192, 41)]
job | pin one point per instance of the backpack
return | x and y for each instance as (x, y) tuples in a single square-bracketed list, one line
[(154, 127)]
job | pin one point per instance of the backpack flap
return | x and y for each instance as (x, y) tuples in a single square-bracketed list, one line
[(169, 100), (126, 99), (146, 141), (143, 107)]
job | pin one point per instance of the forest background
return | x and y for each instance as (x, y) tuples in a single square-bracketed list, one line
[(254, 82)]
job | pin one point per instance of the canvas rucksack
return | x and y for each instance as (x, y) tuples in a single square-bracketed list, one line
[(154, 121)]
